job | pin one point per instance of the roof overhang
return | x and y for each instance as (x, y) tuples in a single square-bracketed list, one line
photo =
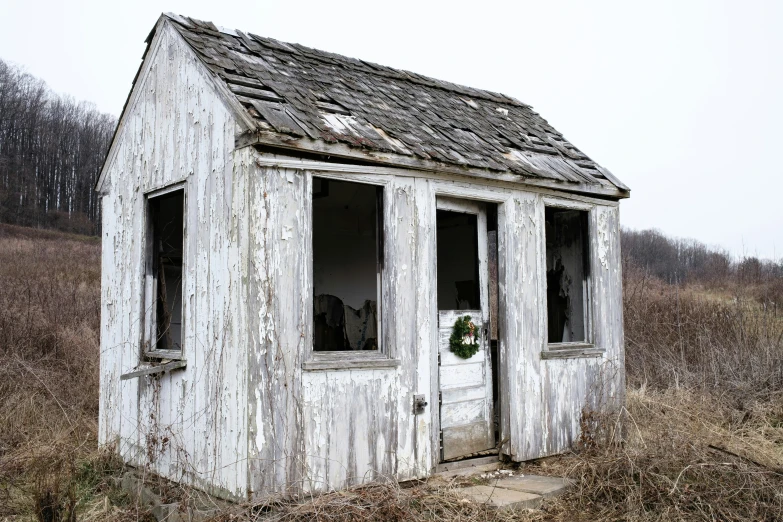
[(266, 138)]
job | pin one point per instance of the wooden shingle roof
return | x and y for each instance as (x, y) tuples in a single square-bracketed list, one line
[(315, 100)]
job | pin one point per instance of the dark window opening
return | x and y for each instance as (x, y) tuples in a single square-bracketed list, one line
[(168, 234), (567, 269), (347, 262), (458, 267), (494, 308)]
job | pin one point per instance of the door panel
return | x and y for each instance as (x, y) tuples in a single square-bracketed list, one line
[(463, 440), (463, 412), (465, 385)]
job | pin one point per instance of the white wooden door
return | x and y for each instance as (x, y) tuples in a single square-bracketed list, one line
[(465, 385)]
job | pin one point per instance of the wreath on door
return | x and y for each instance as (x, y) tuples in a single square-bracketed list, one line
[(464, 340)]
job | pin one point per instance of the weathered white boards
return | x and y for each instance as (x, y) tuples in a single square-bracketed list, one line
[(292, 243)]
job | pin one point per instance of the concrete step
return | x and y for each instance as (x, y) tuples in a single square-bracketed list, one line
[(536, 484), (515, 492), (503, 499)]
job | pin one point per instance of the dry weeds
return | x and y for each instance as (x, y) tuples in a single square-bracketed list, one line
[(703, 422), (49, 317)]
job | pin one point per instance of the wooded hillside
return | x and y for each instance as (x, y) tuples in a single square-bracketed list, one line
[(690, 262), (51, 152)]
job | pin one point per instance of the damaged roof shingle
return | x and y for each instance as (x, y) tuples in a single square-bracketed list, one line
[(306, 93)]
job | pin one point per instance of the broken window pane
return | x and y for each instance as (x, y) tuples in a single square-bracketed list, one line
[(168, 233), (346, 265), (567, 268), (458, 277)]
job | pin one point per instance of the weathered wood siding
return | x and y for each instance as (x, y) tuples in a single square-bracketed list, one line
[(547, 396), (189, 425), (252, 413), (316, 430)]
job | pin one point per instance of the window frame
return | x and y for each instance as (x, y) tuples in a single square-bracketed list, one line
[(149, 278), (587, 347), (383, 357)]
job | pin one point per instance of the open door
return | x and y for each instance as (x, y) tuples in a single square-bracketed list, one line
[(465, 385)]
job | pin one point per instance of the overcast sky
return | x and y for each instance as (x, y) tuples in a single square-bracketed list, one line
[(682, 100)]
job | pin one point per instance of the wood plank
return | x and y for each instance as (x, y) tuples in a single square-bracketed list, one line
[(574, 353), (350, 364), (255, 92), (261, 137), (465, 440), (152, 370), (463, 412)]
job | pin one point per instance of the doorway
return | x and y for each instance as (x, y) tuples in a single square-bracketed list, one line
[(465, 382)]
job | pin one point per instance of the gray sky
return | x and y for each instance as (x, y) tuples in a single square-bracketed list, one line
[(683, 100)]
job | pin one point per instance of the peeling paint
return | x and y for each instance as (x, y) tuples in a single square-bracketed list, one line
[(183, 425), (244, 419)]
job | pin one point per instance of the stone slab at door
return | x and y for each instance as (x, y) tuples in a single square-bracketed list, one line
[(465, 385)]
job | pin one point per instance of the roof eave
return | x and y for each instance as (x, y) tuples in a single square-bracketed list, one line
[(390, 159)]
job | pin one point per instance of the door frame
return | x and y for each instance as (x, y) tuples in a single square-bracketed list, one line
[(479, 210), (504, 201)]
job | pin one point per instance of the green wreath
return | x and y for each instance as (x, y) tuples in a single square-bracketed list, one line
[(464, 329)]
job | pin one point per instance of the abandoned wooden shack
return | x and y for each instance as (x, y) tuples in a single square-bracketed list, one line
[(319, 271)]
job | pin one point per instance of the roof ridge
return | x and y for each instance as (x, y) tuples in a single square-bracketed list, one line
[(346, 61)]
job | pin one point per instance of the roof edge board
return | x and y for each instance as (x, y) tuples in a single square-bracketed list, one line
[(150, 51), (220, 85), (339, 150), (152, 41)]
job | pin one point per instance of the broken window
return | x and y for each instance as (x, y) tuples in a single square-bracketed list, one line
[(458, 265), (347, 262), (165, 270), (567, 271)]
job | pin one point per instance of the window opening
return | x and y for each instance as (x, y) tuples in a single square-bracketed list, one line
[(567, 270), (168, 234), (458, 276), (347, 263)]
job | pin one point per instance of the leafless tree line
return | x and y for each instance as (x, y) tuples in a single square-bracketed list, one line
[(51, 152), (680, 261)]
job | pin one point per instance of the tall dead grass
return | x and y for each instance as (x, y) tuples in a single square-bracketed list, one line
[(49, 324), (703, 423), (701, 338), (704, 414)]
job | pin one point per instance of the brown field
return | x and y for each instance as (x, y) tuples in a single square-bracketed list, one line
[(702, 429)]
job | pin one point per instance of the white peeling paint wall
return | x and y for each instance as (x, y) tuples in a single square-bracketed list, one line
[(548, 397), (317, 430), (189, 425), (325, 429), (244, 418)]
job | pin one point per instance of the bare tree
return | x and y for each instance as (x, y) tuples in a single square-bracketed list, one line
[(51, 152), (681, 261)]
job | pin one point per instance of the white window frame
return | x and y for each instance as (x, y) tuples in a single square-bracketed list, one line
[(347, 360), (149, 311), (587, 347)]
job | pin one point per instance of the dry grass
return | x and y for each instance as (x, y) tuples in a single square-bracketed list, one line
[(49, 317), (387, 501), (695, 338), (684, 458), (703, 422)]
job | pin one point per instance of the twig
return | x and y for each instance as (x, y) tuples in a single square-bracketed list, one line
[(776, 471), (47, 389)]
